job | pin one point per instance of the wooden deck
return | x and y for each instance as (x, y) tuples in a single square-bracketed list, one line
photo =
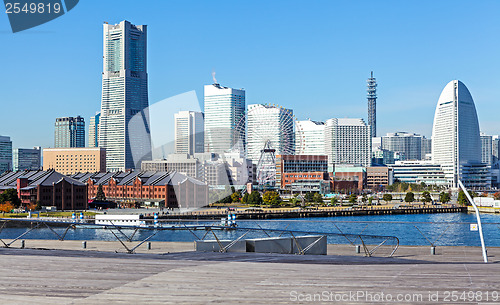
[(75, 276)]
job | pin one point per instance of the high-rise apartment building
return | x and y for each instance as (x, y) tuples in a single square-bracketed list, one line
[(486, 149), (407, 145), (347, 141), (426, 149), (124, 128), (269, 124), (69, 132), (456, 143), (27, 158), (94, 130), (189, 136), (224, 112), (495, 147), (5, 154), (310, 138), (371, 90)]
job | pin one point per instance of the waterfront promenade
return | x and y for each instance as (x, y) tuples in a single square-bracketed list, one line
[(316, 212), (76, 276)]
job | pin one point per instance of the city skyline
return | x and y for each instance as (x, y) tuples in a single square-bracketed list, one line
[(410, 75)]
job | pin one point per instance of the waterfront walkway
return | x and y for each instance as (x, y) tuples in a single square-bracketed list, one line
[(76, 276)]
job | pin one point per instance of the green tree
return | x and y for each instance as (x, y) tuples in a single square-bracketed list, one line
[(271, 198), (10, 195), (387, 198), (309, 197), (370, 200), (353, 198), (410, 197), (38, 205), (462, 199), (235, 197), (317, 198), (364, 198), (100, 196), (334, 200), (245, 198), (444, 197), (254, 198), (426, 197)]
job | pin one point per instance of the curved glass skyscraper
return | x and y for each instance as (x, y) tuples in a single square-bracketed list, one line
[(456, 143)]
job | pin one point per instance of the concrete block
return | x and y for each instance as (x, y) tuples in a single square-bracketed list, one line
[(282, 245), (319, 248), (213, 246)]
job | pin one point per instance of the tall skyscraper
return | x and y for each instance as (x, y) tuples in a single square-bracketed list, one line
[(27, 158), (347, 141), (313, 138), (224, 111), (124, 128), (372, 104), (456, 144), (273, 124), (189, 136), (69, 132), (94, 130), (5, 154), (486, 149)]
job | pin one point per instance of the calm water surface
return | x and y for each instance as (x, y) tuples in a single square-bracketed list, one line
[(448, 229)]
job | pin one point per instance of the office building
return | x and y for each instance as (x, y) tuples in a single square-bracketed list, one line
[(68, 161), (5, 154), (69, 132), (348, 178), (419, 171), (371, 90), (269, 124), (27, 159), (382, 156), (456, 143), (310, 138), (486, 149), (379, 177), (408, 146), (211, 168), (302, 173), (189, 136), (124, 128), (347, 141), (224, 118), (94, 130)]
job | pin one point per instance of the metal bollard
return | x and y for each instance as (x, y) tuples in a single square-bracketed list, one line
[(84, 244), (433, 250), (149, 245), (22, 244), (358, 249)]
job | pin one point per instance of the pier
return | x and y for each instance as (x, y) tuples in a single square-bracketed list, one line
[(324, 212)]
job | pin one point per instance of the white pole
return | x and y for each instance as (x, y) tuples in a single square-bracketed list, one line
[(485, 256)]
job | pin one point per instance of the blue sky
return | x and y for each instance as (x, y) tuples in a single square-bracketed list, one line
[(311, 56)]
